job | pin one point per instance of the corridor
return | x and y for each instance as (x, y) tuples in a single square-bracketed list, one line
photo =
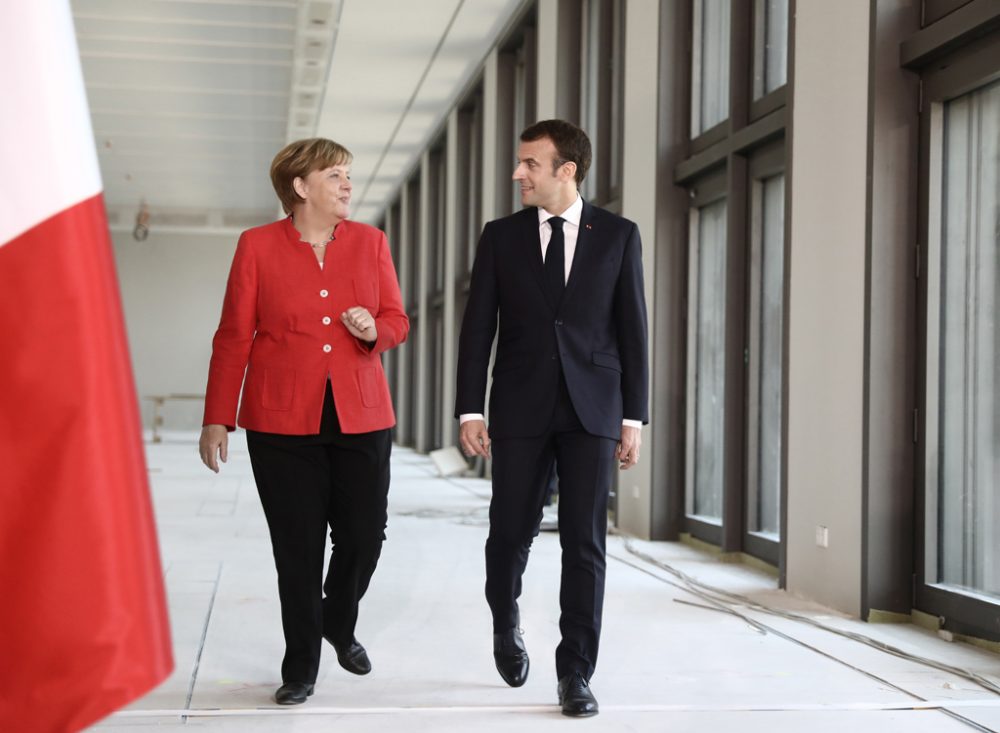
[(671, 659)]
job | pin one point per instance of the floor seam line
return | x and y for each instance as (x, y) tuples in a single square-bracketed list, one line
[(201, 642)]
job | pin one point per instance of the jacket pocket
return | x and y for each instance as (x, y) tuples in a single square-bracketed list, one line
[(609, 361), (278, 389), (365, 294), (370, 386)]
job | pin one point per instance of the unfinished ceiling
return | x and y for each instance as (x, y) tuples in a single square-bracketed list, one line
[(191, 99)]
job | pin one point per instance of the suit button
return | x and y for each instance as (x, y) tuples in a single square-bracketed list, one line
[(327, 348), (323, 293), (559, 323), (553, 358), (326, 320)]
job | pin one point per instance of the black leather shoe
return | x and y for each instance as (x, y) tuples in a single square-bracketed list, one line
[(575, 696), (511, 657), (293, 693), (352, 656)]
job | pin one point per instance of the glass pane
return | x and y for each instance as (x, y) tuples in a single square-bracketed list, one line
[(770, 46), (968, 521), (710, 65), (766, 351), (474, 185), (590, 94), (520, 119), (617, 98), (709, 363)]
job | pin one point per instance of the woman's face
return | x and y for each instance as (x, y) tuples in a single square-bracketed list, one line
[(328, 191)]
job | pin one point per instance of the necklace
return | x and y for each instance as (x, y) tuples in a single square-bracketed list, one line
[(317, 245)]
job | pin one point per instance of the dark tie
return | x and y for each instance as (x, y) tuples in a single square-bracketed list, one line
[(555, 262)]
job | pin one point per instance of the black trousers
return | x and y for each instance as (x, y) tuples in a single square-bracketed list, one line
[(306, 484), (521, 468)]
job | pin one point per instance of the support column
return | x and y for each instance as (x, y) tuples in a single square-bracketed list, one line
[(404, 406), (546, 85), (491, 106), (422, 437), (390, 359), (666, 446), (826, 324), (639, 197), (450, 346)]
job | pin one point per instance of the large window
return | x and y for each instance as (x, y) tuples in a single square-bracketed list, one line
[(602, 77), (958, 480), (766, 324), (964, 512), (770, 46), (734, 172), (436, 213), (470, 172), (706, 362), (517, 81), (710, 65), (391, 358)]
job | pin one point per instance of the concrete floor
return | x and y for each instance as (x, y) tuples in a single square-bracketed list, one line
[(666, 664)]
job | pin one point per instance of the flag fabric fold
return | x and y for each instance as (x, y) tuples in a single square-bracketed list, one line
[(83, 621)]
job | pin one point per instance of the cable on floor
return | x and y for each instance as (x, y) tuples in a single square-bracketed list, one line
[(725, 601)]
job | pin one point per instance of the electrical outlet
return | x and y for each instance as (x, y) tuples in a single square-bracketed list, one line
[(822, 536)]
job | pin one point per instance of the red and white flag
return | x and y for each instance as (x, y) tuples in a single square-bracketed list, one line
[(83, 621)]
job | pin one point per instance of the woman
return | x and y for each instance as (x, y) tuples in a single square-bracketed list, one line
[(311, 303)]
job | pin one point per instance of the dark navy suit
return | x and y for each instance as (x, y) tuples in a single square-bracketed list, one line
[(564, 376)]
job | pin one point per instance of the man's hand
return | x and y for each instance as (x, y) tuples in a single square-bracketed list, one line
[(214, 442), (628, 447), (474, 439)]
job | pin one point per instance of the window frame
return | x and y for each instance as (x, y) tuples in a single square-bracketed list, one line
[(767, 162), (730, 148), (710, 189), (776, 98), (718, 130), (601, 112), (949, 69)]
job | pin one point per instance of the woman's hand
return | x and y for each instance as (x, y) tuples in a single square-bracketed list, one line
[(360, 323), (214, 442)]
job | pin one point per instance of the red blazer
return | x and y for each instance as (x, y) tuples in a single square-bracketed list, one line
[(281, 327)]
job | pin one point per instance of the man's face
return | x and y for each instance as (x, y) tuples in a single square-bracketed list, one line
[(540, 185)]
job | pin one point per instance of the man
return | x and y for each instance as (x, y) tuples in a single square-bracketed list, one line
[(569, 387)]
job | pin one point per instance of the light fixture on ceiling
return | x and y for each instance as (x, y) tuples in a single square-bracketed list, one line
[(141, 230)]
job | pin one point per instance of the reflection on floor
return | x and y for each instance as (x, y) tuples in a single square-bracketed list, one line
[(670, 660)]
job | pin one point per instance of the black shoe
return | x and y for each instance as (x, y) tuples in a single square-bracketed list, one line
[(575, 696), (511, 657), (293, 693), (352, 656)]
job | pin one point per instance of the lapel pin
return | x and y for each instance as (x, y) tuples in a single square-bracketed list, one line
[(588, 226)]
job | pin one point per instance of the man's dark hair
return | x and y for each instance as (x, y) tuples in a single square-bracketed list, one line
[(572, 144)]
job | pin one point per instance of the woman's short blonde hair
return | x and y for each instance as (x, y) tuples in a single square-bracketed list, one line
[(298, 160)]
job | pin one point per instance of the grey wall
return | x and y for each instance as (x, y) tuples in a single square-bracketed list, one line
[(639, 201), (827, 300), (172, 288)]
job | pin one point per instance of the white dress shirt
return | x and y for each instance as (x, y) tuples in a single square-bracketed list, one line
[(571, 232)]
